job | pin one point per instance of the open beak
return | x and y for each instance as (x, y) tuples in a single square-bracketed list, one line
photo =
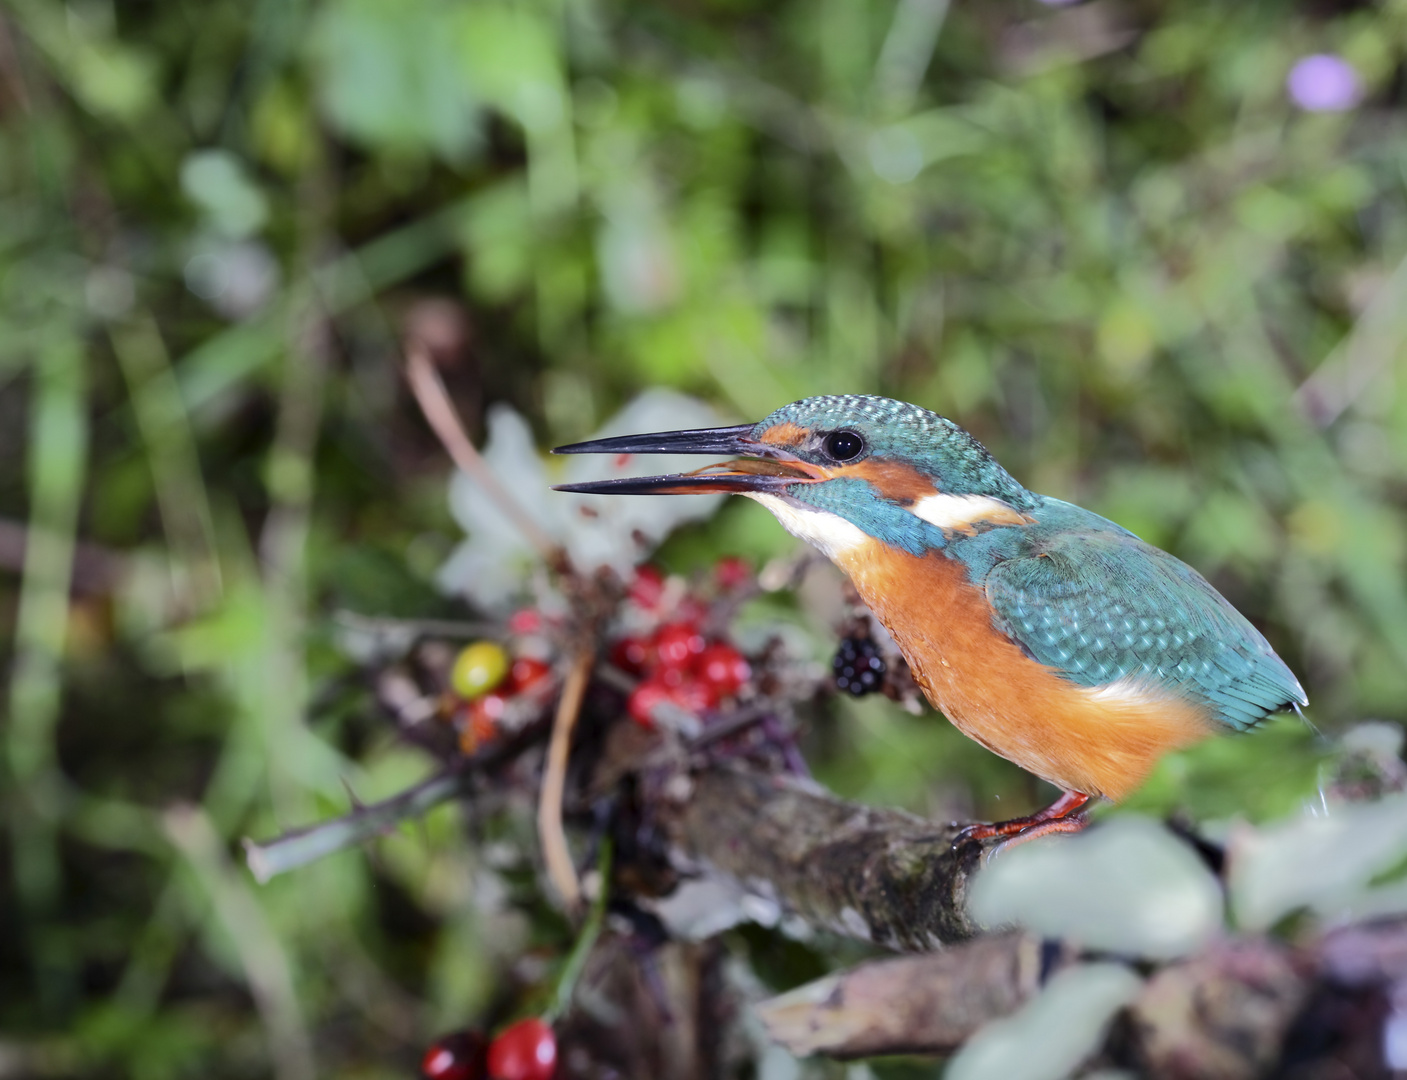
[(763, 467)]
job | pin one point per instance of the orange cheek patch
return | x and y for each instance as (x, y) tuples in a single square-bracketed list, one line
[(893, 480), (787, 434)]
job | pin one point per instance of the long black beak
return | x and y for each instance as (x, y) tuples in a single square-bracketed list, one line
[(760, 470), (718, 440)]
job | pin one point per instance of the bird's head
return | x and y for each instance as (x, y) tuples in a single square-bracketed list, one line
[(837, 470)]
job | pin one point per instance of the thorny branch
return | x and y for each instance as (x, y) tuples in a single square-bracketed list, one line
[(370, 820), (882, 876), (303, 846)]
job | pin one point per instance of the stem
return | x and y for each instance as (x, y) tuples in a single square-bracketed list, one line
[(560, 869), (439, 412), (586, 940), (303, 846), (420, 628)]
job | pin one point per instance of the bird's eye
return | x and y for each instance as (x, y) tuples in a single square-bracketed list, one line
[(843, 445)]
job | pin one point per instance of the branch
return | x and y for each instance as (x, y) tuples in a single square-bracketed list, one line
[(879, 875), (926, 1004), (1223, 1012), (302, 846)]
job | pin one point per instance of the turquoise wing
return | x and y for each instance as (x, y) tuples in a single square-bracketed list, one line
[(1099, 605)]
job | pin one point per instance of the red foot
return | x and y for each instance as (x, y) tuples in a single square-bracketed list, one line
[(1061, 816)]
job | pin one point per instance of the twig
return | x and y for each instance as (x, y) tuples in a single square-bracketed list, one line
[(731, 723), (419, 628), (616, 679), (560, 869), (302, 846), (439, 412)]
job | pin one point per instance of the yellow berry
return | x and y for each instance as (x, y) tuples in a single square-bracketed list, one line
[(478, 669)]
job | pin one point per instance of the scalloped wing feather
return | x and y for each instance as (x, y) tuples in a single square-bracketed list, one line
[(1099, 606)]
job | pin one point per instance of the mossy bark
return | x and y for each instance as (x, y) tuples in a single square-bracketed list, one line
[(883, 876)]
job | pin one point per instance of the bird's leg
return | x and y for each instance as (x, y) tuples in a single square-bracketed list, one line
[(1061, 816)]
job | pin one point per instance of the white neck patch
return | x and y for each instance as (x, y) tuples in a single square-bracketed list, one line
[(1131, 690), (960, 511), (828, 533)]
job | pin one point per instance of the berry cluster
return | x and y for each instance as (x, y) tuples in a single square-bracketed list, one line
[(526, 1050), (858, 667), (676, 662), (483, 680)]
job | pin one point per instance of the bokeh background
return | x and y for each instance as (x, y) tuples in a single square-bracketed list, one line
[(1150, 252)]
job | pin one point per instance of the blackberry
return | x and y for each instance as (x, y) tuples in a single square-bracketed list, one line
[(858, 666)]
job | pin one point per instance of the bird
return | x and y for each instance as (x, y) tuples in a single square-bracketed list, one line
[(1052, 636)]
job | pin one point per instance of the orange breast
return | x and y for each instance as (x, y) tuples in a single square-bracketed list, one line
[(1097, 741)]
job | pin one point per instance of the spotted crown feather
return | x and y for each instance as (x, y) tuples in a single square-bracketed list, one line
[(930, 443)]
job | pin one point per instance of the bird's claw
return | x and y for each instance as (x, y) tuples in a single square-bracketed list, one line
[(1062, 816)]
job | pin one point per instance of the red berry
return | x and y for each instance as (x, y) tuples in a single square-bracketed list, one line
[(731, 572), (677, 644), (630, 654), (479, 722), (675, 686), (526, 1050), (647, 588), (643, 700), (489, 708), (694, 696), (723, 667), (525, 674), (460, 1056), (526, 621)]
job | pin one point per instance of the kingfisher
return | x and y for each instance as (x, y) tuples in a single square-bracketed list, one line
[(1050, 635)]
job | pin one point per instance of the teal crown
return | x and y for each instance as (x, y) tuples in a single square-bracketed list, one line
[(897, 431)]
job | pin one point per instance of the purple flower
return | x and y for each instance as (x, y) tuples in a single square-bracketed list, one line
[(1324, 83)]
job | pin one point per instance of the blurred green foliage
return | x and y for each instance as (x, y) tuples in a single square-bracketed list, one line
[(1100, 236)]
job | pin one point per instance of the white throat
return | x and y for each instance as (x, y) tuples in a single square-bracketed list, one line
[(833, 536), (828, 533)]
